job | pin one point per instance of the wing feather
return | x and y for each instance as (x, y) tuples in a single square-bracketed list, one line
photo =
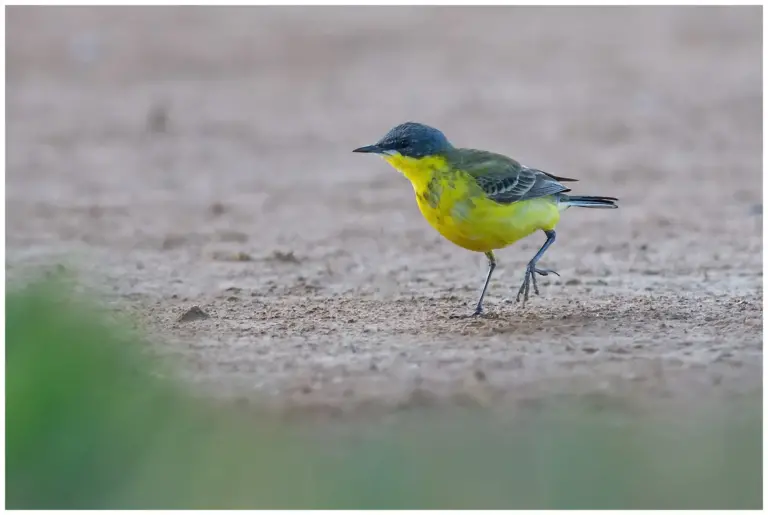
[(503, 179)]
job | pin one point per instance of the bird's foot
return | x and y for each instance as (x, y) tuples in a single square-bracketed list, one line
[(530, 277), (478, 313)]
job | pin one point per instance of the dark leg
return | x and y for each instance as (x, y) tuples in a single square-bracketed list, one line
[(531, 270), (491, 266)]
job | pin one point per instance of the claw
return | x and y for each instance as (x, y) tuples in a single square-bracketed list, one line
[(530, 277), (531, 270), (478, 313), (525, 287)]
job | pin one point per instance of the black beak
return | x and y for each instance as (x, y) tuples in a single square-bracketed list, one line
[(368, 149)]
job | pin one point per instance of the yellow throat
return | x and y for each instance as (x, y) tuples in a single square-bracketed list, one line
[(419, 171)]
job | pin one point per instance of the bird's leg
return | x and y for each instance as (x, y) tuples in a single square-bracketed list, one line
[(491, 266), (531, 270)]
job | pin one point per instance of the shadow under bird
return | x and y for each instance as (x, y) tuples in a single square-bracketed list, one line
[(480, 200)]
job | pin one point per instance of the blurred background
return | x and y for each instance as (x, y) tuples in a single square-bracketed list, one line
[(166, 159)]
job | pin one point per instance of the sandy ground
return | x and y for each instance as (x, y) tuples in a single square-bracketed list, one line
[(201, 157)]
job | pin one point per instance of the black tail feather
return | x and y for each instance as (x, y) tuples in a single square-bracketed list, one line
[(587, 201)]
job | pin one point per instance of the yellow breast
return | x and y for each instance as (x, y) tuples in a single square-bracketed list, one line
[(455, 205)]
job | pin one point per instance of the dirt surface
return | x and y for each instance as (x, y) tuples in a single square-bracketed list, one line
[(202, 157)]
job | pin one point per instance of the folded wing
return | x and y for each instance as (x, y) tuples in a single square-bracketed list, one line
[(503, 179)]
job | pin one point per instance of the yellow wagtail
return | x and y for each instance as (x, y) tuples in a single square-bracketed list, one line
[(479, 200)]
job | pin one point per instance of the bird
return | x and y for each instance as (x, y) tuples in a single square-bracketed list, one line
[(480, 200)]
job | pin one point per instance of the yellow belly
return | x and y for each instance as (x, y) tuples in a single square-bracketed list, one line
[(455, 205), (477, 223)]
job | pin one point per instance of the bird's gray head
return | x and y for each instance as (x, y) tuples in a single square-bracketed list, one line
[(409, 139)]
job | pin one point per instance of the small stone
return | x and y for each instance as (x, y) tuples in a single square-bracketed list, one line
[(217, 209), (173, 241), (226, 256), (157, 119), (193, 313), (285, 257), (242, 256)]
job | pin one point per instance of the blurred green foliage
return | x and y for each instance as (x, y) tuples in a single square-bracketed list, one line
[(92, 423)]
